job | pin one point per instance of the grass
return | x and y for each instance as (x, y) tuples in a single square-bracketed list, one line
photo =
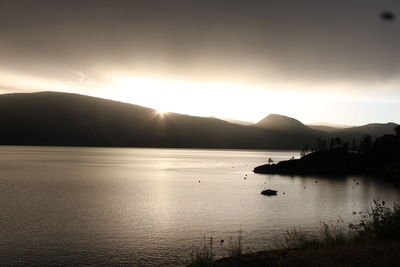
[(378, 223), (373, 241), (203, 256), (327, 235), (236, 245)]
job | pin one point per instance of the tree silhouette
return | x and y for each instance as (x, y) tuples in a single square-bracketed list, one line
[(354, 146), (365, 144), (397, 130)]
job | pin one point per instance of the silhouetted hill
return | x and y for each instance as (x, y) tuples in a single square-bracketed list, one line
[(373, 129), (50, 118), (285, 124), (324, 128), (356, 133), (237, 121), (328, 127)]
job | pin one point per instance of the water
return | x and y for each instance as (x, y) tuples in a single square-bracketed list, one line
[(146, 207)]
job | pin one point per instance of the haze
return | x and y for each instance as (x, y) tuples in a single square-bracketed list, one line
[(316, 60)]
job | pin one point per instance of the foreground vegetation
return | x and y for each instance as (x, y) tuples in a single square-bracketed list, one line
[(374, 241)]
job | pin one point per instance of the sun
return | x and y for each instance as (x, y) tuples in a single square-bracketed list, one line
[(161, 112)]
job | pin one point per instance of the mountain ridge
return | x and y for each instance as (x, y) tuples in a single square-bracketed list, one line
[(55, 118)]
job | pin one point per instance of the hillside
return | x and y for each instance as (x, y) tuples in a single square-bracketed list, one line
[(324, 128), (373, 129), (286, 124), (50, 118)]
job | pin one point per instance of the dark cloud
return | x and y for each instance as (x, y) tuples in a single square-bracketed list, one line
[(260, 41)]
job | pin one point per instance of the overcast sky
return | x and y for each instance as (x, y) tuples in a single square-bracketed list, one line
[(315, 60)]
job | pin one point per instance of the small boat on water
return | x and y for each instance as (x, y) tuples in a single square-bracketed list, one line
[(269, 192)]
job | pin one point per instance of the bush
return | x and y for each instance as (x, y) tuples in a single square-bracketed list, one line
[(380, 222)]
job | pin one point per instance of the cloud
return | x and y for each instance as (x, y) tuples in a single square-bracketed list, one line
[(275, 44)]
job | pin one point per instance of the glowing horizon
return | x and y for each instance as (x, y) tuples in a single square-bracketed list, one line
[(212, 58), (221, 100)]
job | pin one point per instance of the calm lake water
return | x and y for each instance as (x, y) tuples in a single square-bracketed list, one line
[(146, 207)]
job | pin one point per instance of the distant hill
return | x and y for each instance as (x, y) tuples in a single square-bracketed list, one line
[(373, 129), (324, 128), (356, 132), (285, 124), (237, 121), (53, 118), (328, 127), (50, 118)]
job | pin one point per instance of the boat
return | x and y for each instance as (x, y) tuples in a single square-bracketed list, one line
[(269, 192)]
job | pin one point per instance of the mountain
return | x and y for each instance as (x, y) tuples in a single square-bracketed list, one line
[(285, 124), (52, 118), (324, 128), (63, 119), (373, 129), (237, 121), (328, 127)]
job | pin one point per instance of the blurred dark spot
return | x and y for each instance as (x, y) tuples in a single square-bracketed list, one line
[(387, 16)]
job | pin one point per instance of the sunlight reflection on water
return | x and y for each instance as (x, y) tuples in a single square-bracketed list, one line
[(121, 206)]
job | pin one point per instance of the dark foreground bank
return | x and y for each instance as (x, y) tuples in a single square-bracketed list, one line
[(364, 254), (374, 241)]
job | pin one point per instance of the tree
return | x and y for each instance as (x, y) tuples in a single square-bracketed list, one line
[(366, 143), (354, 147), (304, 151), (332, 144), (397, 130), (338, 142), (321, 145)]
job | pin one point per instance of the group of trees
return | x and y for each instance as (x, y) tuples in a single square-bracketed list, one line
[(364, 146)]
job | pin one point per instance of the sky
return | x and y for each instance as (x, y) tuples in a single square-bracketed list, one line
[(314, 60)]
